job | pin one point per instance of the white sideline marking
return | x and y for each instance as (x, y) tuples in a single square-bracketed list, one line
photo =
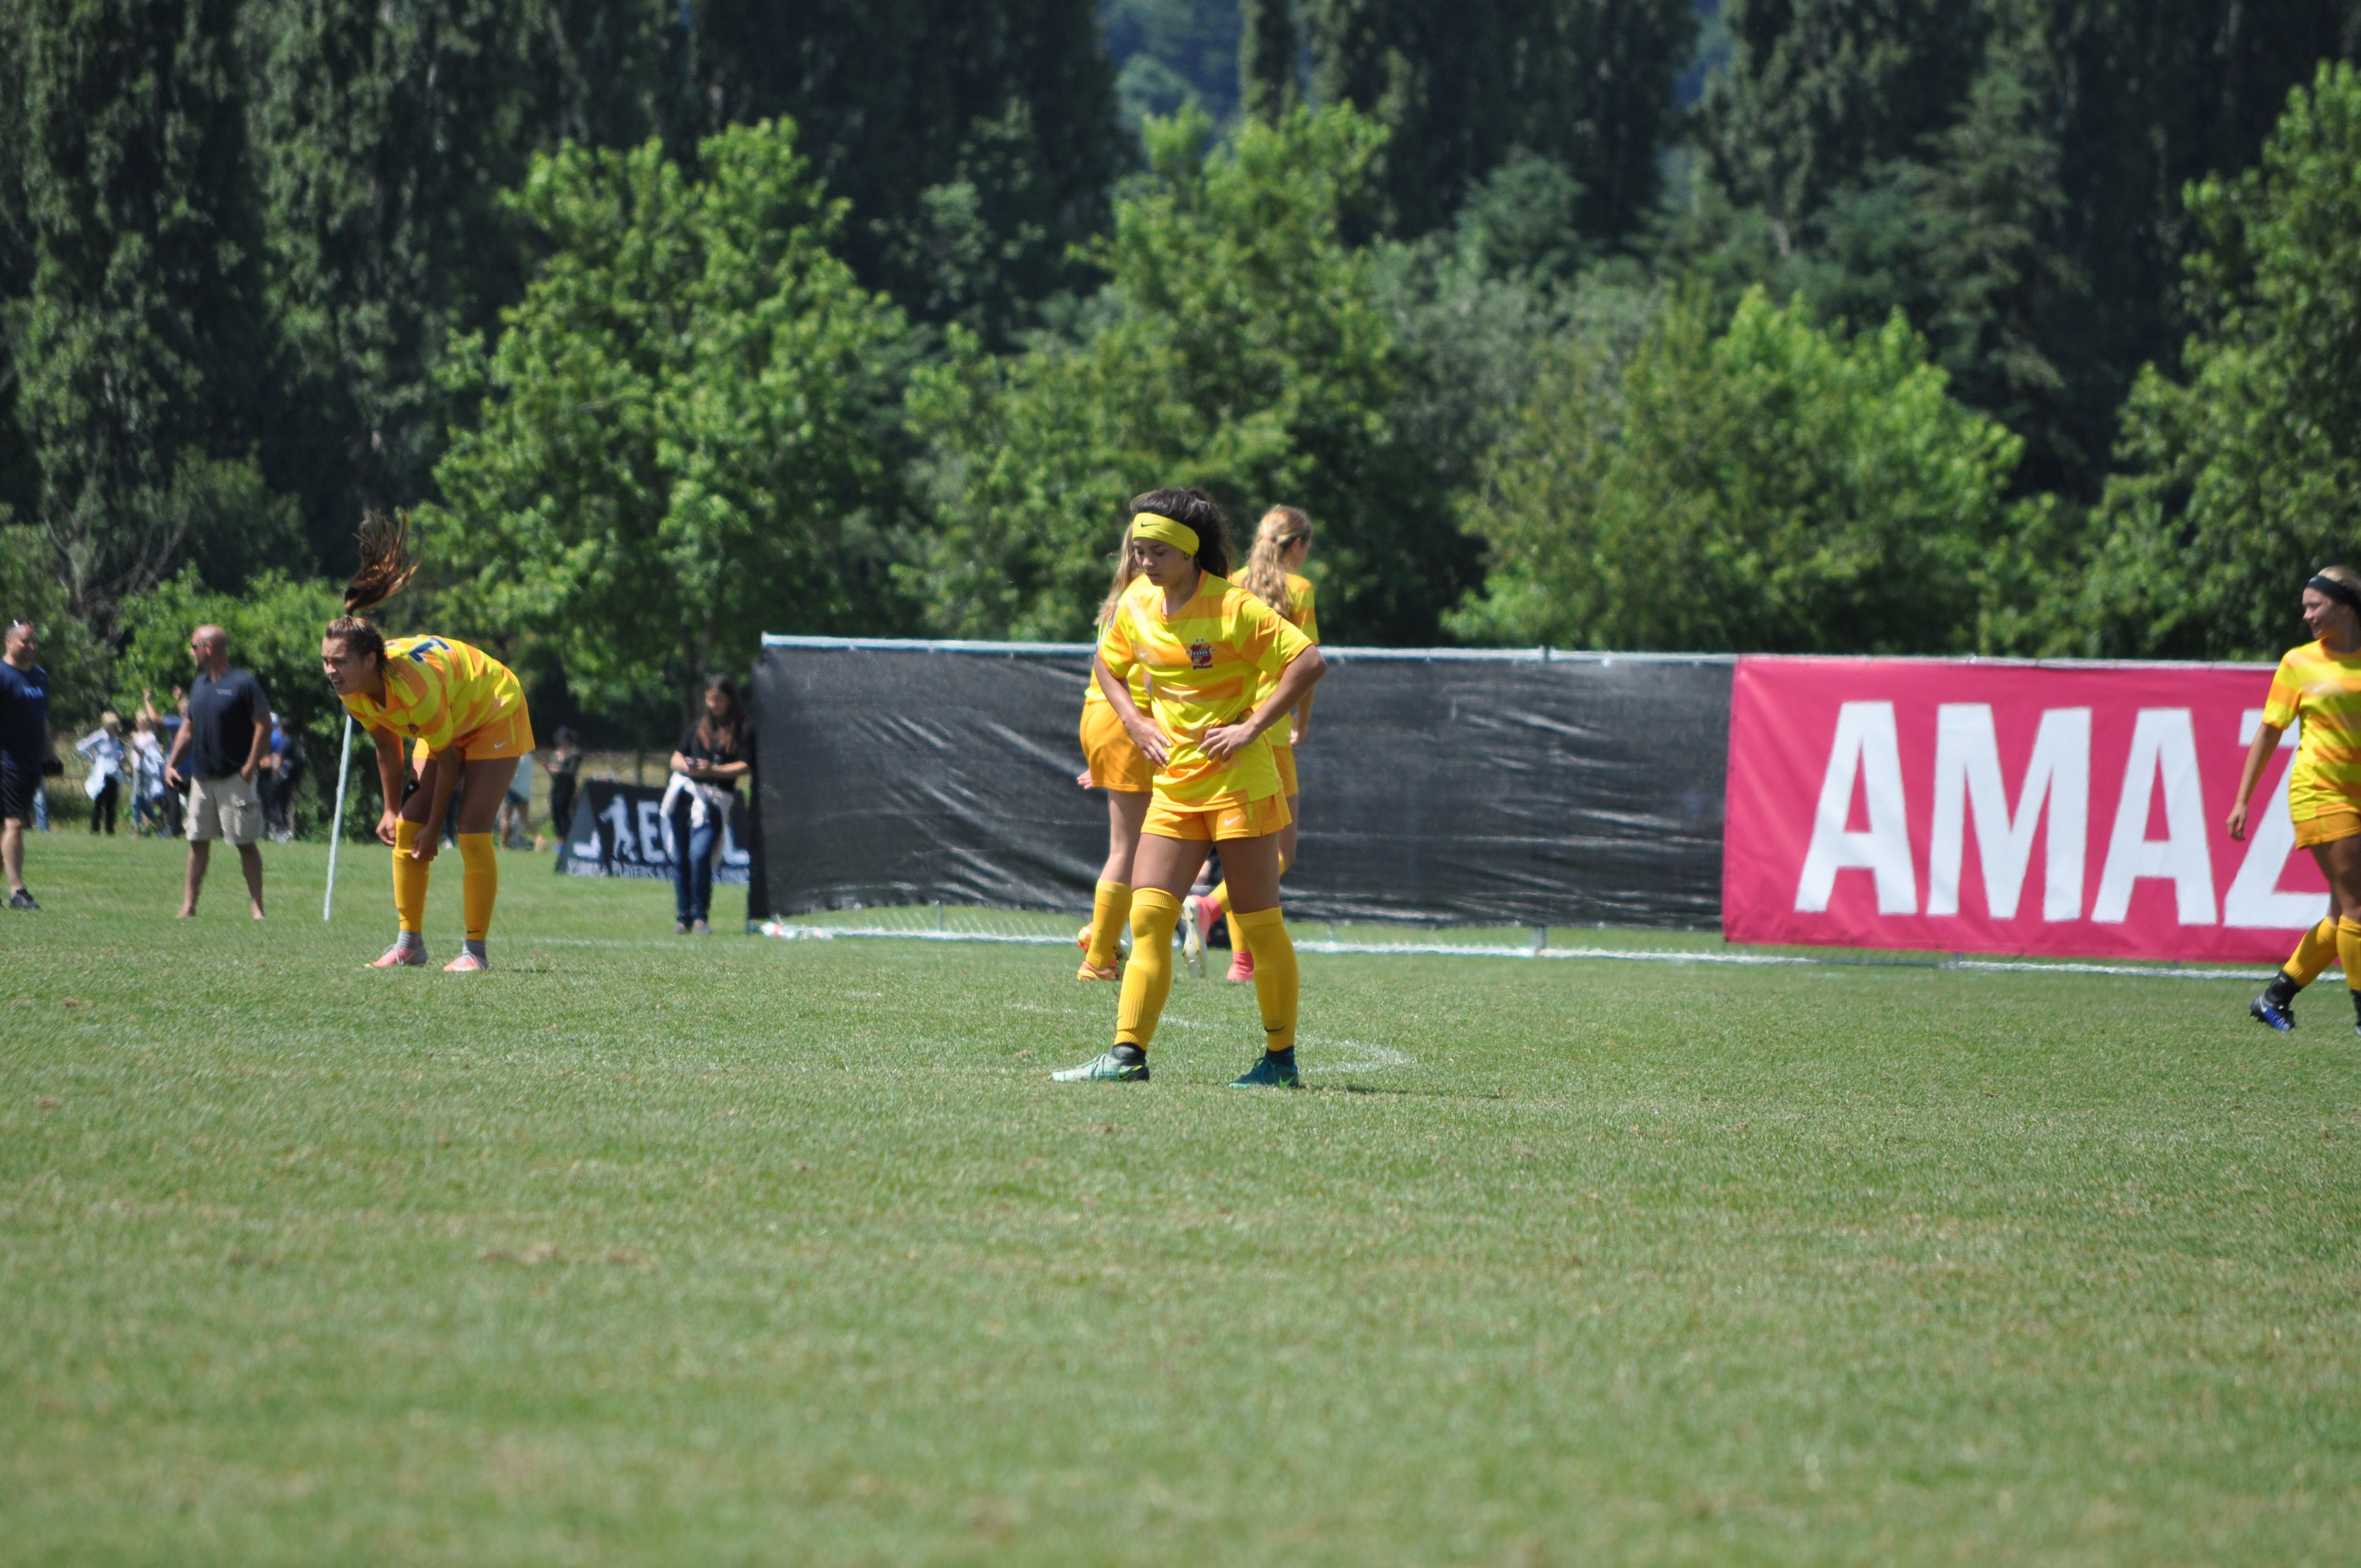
[(1621, 954)]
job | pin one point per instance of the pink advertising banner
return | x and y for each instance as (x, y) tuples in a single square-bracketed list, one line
[(1970, 806)]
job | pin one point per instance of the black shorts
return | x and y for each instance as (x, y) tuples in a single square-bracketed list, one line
[(18, 784)]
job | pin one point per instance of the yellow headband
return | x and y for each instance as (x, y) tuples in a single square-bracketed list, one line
[(1154, 525)]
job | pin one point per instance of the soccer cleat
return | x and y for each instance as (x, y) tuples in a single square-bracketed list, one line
[(2279, 1015), (466, 963), (1192, 935), (22, 899), (1276, 1071), (1105, 1069), (1112, 971), (1242, 966), (402, 955)]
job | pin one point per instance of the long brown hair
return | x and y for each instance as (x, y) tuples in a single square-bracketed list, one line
[(386, 567), (1126, 572), (1266, 574), (722, 734)]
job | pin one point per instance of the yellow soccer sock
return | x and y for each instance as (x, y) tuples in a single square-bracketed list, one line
[(479, 883), (2313, 954), (2348, 951), (1110, 908), (1276, 980), (1149, 978), (409, 879), (1221, 897)]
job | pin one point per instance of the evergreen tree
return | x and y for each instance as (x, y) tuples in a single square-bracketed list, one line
[(1268, 46), (976, 143), (1460, 84)]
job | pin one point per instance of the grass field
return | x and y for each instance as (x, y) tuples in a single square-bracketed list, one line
[(641, 1250)]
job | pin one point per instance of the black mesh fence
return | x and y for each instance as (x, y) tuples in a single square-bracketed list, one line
[(1514, 788)]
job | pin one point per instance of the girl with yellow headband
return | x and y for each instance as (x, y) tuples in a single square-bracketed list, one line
[(1207, 646), (1120, 768)]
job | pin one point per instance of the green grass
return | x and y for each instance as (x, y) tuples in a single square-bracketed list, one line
[(637, 1250)]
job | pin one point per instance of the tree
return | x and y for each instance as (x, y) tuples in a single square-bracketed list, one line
[(1460, 84), (2008, 171), (2245, 477), (1770, 488), (1267, 48), (684, 430), (1237, 348), (975, 143), (143, 340)]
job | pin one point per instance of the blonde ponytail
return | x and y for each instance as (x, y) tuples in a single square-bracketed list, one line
[(1125, 571), (1265, 576)]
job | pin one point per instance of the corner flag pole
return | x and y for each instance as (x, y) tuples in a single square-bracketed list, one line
[(337, 831)]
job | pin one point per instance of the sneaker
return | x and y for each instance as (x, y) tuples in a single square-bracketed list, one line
[(466, 963), (700, 929), (2279, 1015), (1192, 934), (680, 928), (402, 955), (22, 899), (1112, 971), (1242, 966), (1107, 1069), (1276, 1071)]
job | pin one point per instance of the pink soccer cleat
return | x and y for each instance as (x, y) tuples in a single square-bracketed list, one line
[(1242, 966), (466, 963), (402, 955)]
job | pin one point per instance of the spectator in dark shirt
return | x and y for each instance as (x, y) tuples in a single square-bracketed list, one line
[(714, 753), (565, 769), (222, 745), (23, 750)]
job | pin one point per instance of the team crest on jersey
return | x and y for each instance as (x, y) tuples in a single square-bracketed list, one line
[(1201, 655)]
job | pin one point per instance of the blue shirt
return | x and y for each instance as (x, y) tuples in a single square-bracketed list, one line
[(24, 715)]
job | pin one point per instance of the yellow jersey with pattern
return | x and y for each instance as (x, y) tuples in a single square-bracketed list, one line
[(1304, 618), (2325, 691), (1138, 681), (438, 691), (1205, 665)]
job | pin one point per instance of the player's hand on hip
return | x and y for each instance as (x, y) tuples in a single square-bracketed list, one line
[(1223, 741), (1150, 741)]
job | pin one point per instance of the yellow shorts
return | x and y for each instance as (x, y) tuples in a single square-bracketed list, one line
[(1284, 755), (1230, 819), (2328, 827), (509, 735), (1116, 763)]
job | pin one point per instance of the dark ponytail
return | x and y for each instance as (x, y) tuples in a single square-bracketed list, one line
[(386, 567)]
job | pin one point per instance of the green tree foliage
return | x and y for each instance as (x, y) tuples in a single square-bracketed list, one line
[(143, 340), (684, 429), (975, 143), (1268, 48), (1172, 54), (1459, 83), (2245, 476), (383, 137), (2008, 171), (1771, 486), (1239, 348)]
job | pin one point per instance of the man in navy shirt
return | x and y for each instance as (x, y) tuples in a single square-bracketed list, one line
[(218, 752), (24, 748)]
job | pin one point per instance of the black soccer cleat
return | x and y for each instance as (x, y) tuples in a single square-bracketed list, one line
[(22, 899)]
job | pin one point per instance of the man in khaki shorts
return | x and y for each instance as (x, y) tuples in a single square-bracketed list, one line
[(228, 732)]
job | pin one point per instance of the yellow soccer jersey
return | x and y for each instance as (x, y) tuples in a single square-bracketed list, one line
[(1205, 666), (2325, 691), (1304, 618), (438, 691)]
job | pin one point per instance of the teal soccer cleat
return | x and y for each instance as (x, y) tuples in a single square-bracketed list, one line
[(1276, 1071)]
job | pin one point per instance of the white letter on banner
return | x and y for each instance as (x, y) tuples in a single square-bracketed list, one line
[(1865, 745), (2254, 898), (652, 834), (2164, 743), (1967, 777)]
